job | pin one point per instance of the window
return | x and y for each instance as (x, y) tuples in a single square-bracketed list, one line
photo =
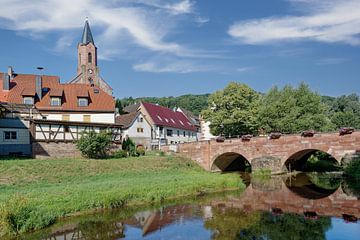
[(10, 135), (28, 100), (169, 132), (89, 58), (83, 102), (140, 119), (66, 117), (55, 101), (184, 134), (140, 130), (188, 134), (66, 129), (44, 117), (87, 118), (178, 133)]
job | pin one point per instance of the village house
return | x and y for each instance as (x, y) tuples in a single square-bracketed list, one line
[(166, 126), (59, 112), (87, 98)]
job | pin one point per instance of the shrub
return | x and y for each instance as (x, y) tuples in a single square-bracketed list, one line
[(140, 151), (94, 145), (129, 146), (120, 154)]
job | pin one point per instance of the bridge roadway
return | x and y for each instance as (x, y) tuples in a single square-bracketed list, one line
[(276, 154)]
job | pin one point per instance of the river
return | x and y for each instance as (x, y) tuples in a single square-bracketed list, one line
[(300, 206)]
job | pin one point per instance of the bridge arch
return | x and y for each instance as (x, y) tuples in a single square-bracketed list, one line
[(297, 159), (230, 161)]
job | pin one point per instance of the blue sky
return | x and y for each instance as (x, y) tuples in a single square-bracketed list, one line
[(175, 47)]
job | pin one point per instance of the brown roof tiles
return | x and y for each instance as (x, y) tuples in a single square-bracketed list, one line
[(101, 101)]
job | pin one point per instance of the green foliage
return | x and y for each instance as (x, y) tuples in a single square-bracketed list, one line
[(193, 103), (59, 187), (120, 154), (352, 169), (140, 151), (94, 145), (320, 162), (344, 111), (286, 226), (129, 146), (292, 110), (17, 215), (233, 110)]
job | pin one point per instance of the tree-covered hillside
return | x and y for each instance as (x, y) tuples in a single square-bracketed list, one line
[(193, 103)]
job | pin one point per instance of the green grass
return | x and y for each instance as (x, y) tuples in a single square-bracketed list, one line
[(36, 193)]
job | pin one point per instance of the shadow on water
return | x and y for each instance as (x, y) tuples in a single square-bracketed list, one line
[(282, 207)]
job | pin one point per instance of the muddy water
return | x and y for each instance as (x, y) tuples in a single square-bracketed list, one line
[(303, 206)]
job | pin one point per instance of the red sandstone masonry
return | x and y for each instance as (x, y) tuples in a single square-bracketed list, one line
[(205, 152)]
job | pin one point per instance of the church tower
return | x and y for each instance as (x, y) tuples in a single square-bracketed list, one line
[(87, 69), (87, 57)]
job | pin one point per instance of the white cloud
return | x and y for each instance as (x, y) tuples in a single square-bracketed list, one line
[(119, 20), (244, 69), (325, 21), (201, 20), (331, 61), (170, 66)]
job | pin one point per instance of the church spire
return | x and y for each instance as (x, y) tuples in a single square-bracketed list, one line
[(87, 36)]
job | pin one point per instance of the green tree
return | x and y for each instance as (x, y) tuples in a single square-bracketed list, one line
[(94, 145), (292, 110), (233, 110), (344, 111)]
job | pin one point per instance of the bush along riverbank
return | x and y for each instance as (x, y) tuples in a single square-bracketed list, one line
[(37, 193)]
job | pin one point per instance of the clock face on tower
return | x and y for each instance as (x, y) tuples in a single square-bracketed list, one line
[(90, 71)]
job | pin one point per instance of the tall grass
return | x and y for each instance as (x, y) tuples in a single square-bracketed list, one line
[(36, 193)]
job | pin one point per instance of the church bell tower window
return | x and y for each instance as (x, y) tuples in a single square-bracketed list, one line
[(89, 58)]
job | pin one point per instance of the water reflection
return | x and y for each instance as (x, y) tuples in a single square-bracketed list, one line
[(295, 207)]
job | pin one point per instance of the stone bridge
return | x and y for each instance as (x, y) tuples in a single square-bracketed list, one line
[(279, 155)]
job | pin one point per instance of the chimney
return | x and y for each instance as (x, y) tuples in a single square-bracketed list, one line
[(38, 86), (10, 72), (6, 82)]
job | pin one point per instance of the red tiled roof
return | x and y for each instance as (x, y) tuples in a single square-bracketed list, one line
[(28, 92), (56, 92), (163, 116), (100, 101), (126, 119), (3, 94), (82, 92)]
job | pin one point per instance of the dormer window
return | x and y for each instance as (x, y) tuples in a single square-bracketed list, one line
[(28, 100), (55, 101), (83, 102)]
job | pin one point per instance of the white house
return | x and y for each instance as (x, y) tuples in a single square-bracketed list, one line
[(167, 126), (135, 126)]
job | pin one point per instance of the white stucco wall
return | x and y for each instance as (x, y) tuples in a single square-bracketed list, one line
[(79, 117), (175, 138), (132, 130), (205, 131)]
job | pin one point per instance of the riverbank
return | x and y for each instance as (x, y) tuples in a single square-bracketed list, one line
[(36, 193)]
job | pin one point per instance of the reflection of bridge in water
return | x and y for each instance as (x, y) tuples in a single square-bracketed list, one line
[(278, 196)]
